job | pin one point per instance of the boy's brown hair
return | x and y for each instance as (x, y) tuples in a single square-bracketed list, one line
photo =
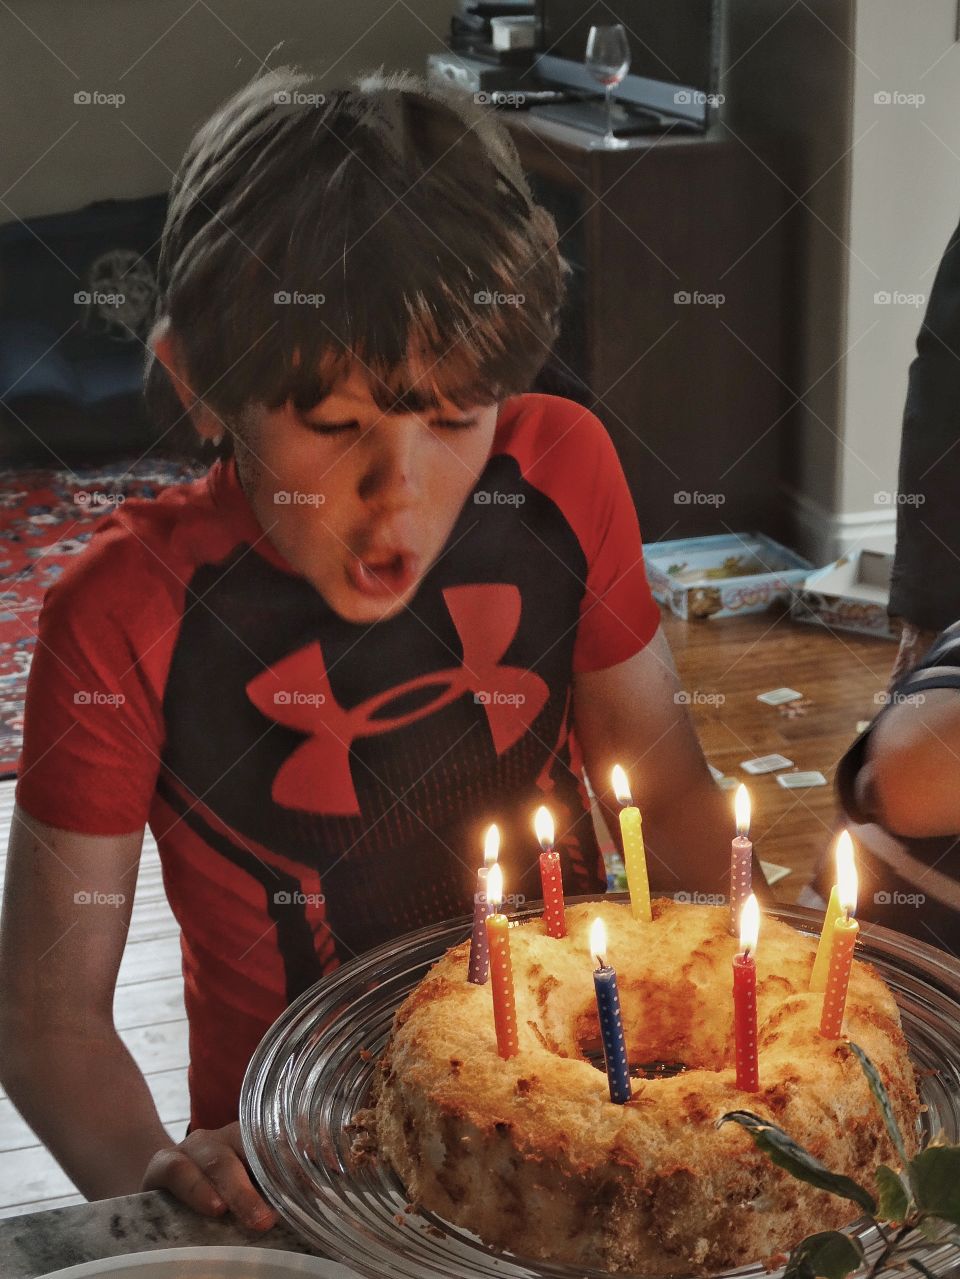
[(309, 227)]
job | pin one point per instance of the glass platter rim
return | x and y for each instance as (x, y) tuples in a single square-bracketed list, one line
[(323, 1225)]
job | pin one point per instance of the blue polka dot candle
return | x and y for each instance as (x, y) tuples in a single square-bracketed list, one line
[(479, 966), (611, 1021)]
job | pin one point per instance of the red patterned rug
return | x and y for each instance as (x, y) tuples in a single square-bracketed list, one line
[(45, 517)]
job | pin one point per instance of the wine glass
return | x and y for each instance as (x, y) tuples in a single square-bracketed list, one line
[(608, 61)]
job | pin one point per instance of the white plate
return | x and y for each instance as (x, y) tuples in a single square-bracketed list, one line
[(208, 1263)]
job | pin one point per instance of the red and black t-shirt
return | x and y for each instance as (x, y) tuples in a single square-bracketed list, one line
[(317, 786)]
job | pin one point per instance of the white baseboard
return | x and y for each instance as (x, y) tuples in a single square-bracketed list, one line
[(822, 535)]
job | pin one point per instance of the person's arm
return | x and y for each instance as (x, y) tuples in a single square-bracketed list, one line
[(925, 587), (66, 910), (915, 643), (628, 714), (909, 780)]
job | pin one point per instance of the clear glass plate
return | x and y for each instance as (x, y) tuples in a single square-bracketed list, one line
[(313, 1071)]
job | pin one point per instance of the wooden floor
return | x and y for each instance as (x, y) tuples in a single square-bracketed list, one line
[(840, 672), (736, 659)]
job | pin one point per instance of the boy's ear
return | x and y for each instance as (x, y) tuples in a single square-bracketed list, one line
[(165, 345)]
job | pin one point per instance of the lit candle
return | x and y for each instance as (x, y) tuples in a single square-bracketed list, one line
[(611, 1021), (745, 998), (821, 965), (479, 956), (845, 929), (501, 970), (634, 856), (741, 859), (551, 875)]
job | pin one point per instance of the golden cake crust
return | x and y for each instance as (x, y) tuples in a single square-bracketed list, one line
[(532, 1156)]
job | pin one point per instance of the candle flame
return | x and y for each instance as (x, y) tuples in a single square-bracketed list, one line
[(543, 825), (491, 845), (495, 886), (598, 940), (846, 874), (621, 787), (749, 924), (741, 808)]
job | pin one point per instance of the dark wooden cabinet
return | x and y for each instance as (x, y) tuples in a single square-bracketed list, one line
[(693, 391)]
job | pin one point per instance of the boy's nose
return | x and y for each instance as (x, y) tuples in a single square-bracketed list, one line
[(391, 480)]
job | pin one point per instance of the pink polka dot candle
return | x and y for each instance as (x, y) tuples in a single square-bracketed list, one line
[(741, 858)]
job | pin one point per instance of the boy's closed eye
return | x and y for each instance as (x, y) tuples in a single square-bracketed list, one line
[(340, 428)]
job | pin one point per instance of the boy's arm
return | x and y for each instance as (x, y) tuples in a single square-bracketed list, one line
[(627, 715), (66, 910)]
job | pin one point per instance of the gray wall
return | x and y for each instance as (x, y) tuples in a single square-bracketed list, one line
[(905, 202), (174, 60), (879, 193)]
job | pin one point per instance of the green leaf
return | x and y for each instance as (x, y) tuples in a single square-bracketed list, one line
[(894, 1203), (780, 1147), (935, 1175), (882, 1099), (830, 1255)]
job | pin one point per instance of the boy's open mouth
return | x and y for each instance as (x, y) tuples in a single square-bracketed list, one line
[(382, 575)]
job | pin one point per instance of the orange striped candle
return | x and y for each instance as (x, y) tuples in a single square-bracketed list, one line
[(501, 969), (844, 939)]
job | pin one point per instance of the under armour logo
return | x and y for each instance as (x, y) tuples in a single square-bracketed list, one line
[(316, 777)]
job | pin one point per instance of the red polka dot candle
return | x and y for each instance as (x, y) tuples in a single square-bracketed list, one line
[(550, 875), (845, 931), (501, 969), (745, 998), (479, 955)]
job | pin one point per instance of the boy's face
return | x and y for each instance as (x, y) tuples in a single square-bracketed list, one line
[(362, 511)]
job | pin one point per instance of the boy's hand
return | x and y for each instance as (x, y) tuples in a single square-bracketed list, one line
[(206, 1171)]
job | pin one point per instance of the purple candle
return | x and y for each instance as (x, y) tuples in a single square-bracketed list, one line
[(479, 967)]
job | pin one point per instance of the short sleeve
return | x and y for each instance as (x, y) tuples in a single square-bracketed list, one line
[(618, 614), (93, 717), (940, 668)]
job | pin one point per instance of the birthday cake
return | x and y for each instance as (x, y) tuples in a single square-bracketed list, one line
[(529, 1152)]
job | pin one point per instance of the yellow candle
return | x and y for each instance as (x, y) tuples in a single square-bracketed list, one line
[(821, 965), (841, 961), (845, 931), (634, 856), (501, 969)]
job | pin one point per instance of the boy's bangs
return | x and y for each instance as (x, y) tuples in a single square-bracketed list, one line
[(396, 345)]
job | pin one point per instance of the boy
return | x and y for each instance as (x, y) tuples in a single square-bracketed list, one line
[(406, 601)]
